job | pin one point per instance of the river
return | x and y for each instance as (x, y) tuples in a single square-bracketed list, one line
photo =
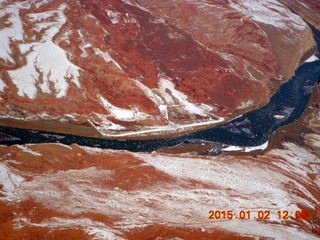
[(251, 129)]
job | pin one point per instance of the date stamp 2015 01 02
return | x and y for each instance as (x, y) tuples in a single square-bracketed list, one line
[(257, 214)]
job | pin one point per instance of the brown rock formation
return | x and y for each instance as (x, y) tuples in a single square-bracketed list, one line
[(56, 191), (309, 10), (143, 68)]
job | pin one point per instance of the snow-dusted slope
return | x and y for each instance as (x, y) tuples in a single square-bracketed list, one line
[(119, 68), (115, 193), (309, 10), (55, 191)]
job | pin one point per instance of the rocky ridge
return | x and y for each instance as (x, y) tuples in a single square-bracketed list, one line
[(309, 10), (56, 191), (129, 69)]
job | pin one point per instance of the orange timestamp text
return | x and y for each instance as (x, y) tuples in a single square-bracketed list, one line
[(259, 215)]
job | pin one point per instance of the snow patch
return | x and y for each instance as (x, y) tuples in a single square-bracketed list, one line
[(255, 148), (13, 32), (312, 58), (98, 230), (300, 161), (269, 12), (164, 111), (150, 93), (39, 3), (104, 125), (9, 181), (245, 149), (103, 233), (62, 145), (235, 183), (167, 96), (115, 17), (2, 85), (83, 48), (121, 113), (313, 139), (246, 104), (168, 128), (46, 61), (135, 4), (28, 150), (166, 86), (106, 56)]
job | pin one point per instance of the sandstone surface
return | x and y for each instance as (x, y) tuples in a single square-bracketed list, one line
[(143, 68), (309, 10), (136, 68), (53, 191)]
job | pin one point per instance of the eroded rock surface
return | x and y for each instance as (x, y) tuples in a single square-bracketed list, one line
[(57, 191), (133, 68), (307, 9), (49, 188)]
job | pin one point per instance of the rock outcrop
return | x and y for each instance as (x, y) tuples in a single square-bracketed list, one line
[(143, 68), (53, 191), (309, 10)]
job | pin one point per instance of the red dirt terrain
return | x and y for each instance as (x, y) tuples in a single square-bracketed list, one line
[(309, 10), (146, 68), (143, 68), (52, 191)]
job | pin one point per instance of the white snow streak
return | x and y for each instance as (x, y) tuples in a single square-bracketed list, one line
[(28, 150), (261, 11), (313, 140), (97, 230), (245, 149), (312, 58), (237, 184), (166, 86), (9, 181), (106, 56), (166, 96), (46, 60), (121, 113), (114, 16), (12, 32), (2, 85), (105, 125)]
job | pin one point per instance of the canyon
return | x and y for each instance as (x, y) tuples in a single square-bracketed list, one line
[(143, 69), (55, 191), (137, 69)]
